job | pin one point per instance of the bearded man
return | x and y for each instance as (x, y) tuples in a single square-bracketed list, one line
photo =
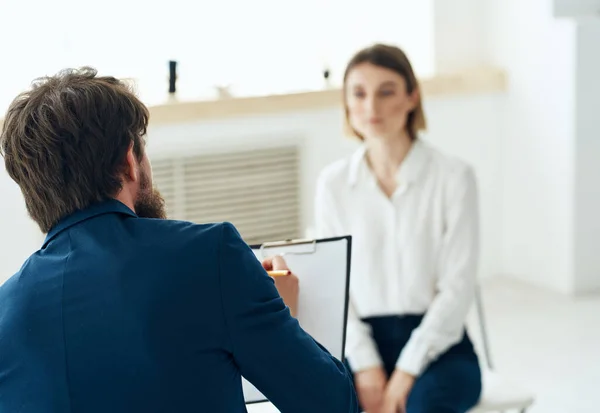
[(123, 310)]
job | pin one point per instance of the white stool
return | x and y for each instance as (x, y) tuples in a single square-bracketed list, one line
[(499, 392)]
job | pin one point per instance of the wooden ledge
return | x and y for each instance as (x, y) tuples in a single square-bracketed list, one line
[(482, 80)]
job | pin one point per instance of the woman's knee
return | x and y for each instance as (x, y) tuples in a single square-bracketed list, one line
[(451, 387)]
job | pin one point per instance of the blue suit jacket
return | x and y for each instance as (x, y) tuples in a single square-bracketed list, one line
[(118, 313)]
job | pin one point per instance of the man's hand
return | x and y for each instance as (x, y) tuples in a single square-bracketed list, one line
[(397, 391), (370, 387), (287, 285)]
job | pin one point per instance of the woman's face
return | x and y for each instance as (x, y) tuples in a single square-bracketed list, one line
[(377, 101)]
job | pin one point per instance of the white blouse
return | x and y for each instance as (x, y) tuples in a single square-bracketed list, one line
[(413, 253)]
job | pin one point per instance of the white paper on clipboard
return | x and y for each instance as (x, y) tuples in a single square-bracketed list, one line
[(323, 269)]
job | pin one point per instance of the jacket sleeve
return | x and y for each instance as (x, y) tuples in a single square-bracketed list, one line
[(270, 348)]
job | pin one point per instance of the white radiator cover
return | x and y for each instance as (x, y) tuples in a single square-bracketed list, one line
[(258, 190)]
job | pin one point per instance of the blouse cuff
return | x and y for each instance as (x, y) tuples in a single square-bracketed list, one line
[(414, 358), (364, 358)]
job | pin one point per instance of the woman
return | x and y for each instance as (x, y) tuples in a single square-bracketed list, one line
[(413, 215)]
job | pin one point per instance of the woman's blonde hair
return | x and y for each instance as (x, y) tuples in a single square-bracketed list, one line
[(392, 58)]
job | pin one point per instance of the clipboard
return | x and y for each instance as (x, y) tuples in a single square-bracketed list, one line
[(323, 269)]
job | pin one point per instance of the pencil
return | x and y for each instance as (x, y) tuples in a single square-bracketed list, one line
[(281, 273)]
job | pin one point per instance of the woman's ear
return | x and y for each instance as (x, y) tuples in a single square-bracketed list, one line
[(415, 98)]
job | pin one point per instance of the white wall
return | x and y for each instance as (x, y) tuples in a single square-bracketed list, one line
[(258, 46), (458, 29), (550, 144), (537, 143), (575, 8), (587, 157)]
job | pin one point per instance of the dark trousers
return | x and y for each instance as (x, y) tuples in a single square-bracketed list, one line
[(450, 384)]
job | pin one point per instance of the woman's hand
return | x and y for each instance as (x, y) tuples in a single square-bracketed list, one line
[(397, 391), (370, 387), (287, 285)]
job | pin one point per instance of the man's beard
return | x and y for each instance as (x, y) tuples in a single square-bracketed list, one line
[(149, 203)]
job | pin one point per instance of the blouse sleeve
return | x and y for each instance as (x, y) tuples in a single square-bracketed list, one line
[(443, 324)]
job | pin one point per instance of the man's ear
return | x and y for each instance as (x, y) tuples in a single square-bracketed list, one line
[(131, 166)]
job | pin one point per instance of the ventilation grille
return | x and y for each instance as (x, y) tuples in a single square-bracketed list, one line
[(256, 190)]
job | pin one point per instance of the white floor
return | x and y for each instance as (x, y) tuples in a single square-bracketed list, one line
[(548, 342)]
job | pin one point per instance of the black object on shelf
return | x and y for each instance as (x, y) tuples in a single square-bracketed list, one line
[(172, 76)]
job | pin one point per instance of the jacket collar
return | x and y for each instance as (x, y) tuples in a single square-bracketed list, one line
[(408, 172), (101, 208)]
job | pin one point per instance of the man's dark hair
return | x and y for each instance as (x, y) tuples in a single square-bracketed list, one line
[(65, 141)]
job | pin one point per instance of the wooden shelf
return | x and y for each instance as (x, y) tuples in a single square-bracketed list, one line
[(484, 80)]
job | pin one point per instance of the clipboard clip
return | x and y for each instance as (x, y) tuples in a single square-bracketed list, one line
[(312, 243)]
